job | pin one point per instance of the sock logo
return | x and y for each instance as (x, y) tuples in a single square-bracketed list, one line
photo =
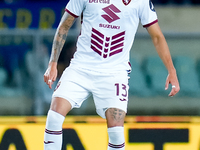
[(111, 11), (48, 142)]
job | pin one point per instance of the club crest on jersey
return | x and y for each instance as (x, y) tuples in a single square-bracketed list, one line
[(126, 2)]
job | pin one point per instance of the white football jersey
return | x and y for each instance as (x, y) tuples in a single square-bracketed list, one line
[(108, 31)]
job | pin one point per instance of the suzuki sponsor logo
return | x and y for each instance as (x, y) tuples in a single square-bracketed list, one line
[(110, 15), (109, 26)]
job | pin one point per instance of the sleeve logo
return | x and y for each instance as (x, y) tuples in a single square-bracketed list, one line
[(151, 6)]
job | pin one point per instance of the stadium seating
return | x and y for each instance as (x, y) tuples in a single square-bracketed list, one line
[(156, 75), (3, 76), (137, 83), (13, 58), (188, 79), (198, 70)]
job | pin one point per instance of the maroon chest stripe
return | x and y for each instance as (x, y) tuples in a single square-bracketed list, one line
[(117, 46), (97, 38), (118, 35), (98, 33), (96, 44), (117, 41)]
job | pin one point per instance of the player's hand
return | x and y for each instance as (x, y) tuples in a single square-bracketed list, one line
[(50, 74), (173, 80)]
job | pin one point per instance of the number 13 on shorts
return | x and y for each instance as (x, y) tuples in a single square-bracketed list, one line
[(122, 91)]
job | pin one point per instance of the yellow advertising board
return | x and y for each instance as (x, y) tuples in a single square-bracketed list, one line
[(140, 134)]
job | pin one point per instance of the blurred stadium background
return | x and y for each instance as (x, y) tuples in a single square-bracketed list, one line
[(27, 28)]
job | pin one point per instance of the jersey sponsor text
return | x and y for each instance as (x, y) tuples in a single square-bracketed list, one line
[(100, 1), (109, 26)]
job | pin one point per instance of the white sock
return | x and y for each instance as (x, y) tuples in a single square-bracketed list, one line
[(116, 138), (53, 131)]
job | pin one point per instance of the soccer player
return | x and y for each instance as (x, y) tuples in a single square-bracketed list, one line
[(101, 63)]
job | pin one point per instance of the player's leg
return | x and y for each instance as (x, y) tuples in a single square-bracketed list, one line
[(53, 131), (70, 92), (115, 123), (111, 99), (60, 105)]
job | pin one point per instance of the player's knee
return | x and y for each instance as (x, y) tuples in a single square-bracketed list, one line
[(60, 105)]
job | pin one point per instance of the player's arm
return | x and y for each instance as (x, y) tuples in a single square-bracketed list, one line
[(164, 53), (58, 42)]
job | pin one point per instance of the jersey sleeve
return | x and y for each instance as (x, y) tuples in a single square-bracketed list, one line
[(147, 13), (75, 7)]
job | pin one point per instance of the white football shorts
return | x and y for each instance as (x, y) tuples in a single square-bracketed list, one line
[(109, 90)]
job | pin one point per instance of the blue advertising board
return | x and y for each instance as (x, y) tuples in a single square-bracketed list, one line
[(31, 15)]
